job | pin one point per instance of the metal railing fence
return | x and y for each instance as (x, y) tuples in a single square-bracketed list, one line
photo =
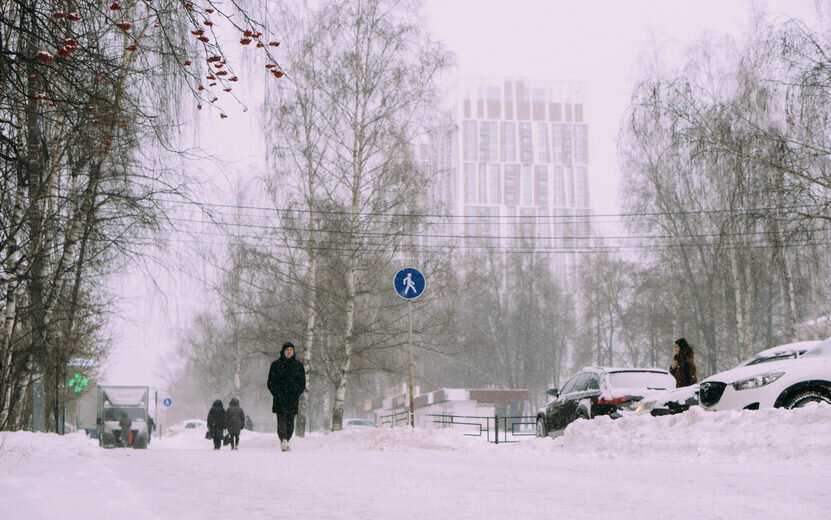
[(496, 429)]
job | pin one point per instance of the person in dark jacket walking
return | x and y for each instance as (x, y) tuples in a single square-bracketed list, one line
[(286, 381), (126, 424), (216, 423), (683, 364), (234, 421)]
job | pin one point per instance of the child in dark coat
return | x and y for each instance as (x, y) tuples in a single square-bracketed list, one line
[(234, 422), (216, 423)]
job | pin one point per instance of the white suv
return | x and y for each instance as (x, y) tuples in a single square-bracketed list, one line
[(788, 383)]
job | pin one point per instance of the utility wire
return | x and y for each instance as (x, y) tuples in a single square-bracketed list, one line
[(466, 236), (761, 210)]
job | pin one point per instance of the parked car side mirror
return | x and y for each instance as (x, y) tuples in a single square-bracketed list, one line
[(553, 392)]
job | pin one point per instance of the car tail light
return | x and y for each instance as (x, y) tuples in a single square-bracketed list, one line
[(613, 401)]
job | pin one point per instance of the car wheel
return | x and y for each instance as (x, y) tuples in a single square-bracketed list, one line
[(542, 431), (582, 414), (809, 396)]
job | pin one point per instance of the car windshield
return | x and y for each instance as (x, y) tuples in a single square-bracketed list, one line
[(114, 414), (641, 379)]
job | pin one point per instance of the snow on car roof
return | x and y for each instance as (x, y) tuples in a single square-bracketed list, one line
[(788, 347), (599, 369)]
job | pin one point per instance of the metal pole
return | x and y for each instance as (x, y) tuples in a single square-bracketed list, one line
[(157, 419), (410, 338)]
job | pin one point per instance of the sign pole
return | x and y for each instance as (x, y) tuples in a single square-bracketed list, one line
[(410, 341), (409, 283)]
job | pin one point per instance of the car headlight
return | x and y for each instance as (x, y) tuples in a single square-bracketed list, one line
[(645, 406), (757, 380)]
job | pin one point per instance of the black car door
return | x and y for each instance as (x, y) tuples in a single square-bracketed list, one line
[(560, 409), (568, 408)]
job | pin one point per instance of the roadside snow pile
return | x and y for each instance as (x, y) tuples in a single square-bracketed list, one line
[(803, 435), (399, 439), (16, 447), (27, 444)]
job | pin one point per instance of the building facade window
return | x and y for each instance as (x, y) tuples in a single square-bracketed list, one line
[(526, 144), (482, 191), (568, 173), (470, 183), (469, 137), (494, 190), (559, 187), (494, 103), (527, 186), (541, 185), (556, 144), (542, 142), (511, 184), (487, 141), (581, 188), (508, 142), (581, 152), (566, 144)]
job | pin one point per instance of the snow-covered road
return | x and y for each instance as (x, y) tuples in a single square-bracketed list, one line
[(698, 465)]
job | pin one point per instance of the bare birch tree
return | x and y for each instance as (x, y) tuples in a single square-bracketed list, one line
[(357, 105)]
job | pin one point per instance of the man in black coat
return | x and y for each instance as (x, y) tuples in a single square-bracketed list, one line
[(286, 381)]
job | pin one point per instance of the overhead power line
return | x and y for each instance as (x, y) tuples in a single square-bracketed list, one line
[(760, 210)]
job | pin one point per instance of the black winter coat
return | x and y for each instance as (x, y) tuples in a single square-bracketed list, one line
[(216, 419), (234, 418), (286, 381)]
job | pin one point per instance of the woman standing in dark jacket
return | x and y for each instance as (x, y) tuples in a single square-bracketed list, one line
[(683, 364), (234, 421), (286, 381), (216, 423)]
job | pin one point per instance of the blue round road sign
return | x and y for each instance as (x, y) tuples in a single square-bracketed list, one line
[(167, 401), (409, 283)]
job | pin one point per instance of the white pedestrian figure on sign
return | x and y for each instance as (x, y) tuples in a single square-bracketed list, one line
[(409, 284)]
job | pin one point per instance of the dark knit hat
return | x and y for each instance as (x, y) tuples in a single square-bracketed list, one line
[(287, 344)]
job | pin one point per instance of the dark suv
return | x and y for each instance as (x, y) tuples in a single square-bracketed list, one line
[(599, 391)]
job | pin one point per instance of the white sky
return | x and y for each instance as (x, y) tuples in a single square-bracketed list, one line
[(592, 42), (750, 465)]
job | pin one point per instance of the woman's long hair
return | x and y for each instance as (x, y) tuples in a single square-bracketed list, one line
[(686, 361)]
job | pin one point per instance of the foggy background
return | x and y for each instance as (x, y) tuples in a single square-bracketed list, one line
[(706, 186)]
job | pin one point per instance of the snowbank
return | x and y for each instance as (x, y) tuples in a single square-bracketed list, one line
[(729, 436), (802, 435)]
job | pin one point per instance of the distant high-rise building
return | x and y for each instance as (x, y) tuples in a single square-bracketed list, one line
[(513, 173)]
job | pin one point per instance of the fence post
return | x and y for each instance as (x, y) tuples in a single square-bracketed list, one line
[(496, 427)]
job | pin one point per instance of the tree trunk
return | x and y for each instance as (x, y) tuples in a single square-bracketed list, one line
[(786, 286), (741, 311), (35, 220), (12, 268), (311, 317), (348, 347)]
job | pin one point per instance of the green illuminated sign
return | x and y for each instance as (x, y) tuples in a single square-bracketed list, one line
[(78, 382)]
